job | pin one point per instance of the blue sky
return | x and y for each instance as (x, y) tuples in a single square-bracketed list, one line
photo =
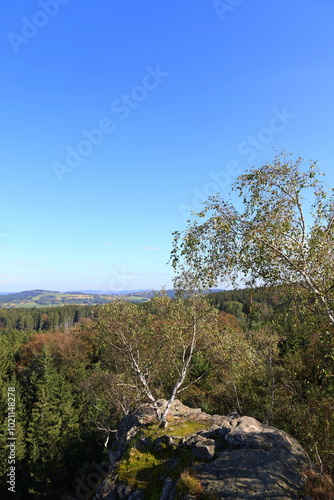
[(119, 118)]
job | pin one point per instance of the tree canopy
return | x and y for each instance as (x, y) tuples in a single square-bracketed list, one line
[(156, 345), (283, 234)]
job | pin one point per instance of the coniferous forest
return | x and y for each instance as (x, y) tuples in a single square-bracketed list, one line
[(264, 352)]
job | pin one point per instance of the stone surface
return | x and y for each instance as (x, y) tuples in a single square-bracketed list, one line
[(202, 447), (168, 491), (233, 457)]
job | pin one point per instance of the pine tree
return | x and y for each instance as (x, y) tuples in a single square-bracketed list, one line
[(53, 427)]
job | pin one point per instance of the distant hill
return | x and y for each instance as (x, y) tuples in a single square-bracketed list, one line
[(25, 295), (43, 298), (114, 292)]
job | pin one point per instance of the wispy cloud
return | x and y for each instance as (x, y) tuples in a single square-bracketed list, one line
[(23, 264), (6, 279), (152, 249)]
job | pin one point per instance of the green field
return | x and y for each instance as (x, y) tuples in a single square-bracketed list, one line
[(41, 298)]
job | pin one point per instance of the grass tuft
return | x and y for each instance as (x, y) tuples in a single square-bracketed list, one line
[(319, 486)]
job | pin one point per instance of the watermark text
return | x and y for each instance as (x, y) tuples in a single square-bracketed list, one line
[(11, 438)]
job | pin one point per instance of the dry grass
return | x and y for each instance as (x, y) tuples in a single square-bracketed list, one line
[(188, 483), (319, 486)]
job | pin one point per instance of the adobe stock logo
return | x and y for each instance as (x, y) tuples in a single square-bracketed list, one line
[(120, 279), (225, 7), (30, 27), (84, 489), (249, 148), (121, 108), (255, 143)]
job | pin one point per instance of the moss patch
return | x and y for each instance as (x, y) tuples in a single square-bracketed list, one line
[(137, 469), (145, 471), (175, 428), (147, 468)]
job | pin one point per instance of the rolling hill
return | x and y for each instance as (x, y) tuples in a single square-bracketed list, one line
[(46, 298), (42, 298)]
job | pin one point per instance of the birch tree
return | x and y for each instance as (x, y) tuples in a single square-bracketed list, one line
[(283, 233), (152, 348)]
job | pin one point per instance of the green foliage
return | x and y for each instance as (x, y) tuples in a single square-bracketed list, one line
[(154, 346), (51, 318), (279, 238), (52, 429)]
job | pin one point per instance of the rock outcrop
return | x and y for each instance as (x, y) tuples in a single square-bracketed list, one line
[(203, 456)]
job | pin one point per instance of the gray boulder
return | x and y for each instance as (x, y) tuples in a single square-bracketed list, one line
[(229, 457)]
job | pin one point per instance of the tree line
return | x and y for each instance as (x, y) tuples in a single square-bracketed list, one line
[(45, 318)]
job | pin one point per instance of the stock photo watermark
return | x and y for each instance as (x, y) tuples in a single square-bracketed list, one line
[(31, 26), (226, 7), (121, 108), (11, 438), (120, 279), (253, 144), (85, 488), (249, 148)]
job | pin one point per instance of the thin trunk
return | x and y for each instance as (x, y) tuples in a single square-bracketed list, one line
[(272, 391), (329, 311), (236, 395), (144, 383), (183, 375)]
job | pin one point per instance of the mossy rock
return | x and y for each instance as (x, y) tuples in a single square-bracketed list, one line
[(146, 465)]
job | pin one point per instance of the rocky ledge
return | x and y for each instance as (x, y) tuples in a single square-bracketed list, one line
[(201, 456)]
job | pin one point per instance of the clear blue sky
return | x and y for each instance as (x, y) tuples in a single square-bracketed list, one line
[(179, 91)]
